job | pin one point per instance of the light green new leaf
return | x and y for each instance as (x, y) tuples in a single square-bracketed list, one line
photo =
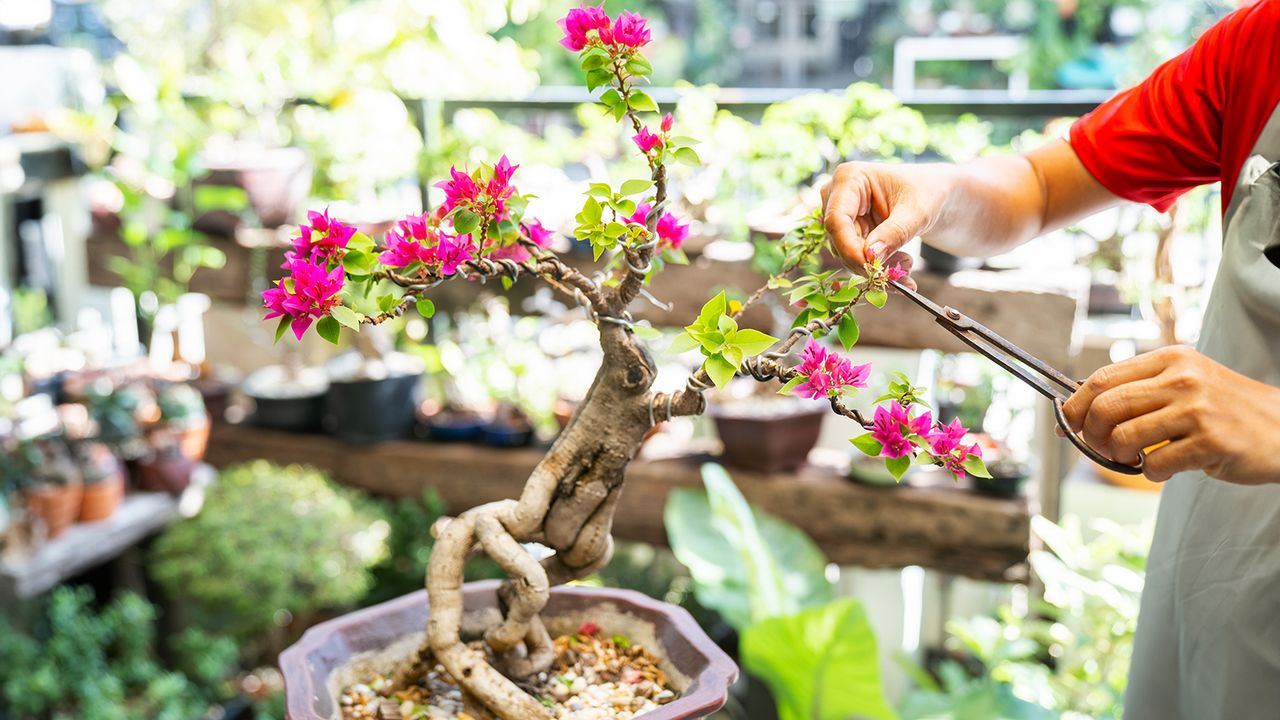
[(647, 332), (641, 102), (635, 186), (684, 342), (975, 467), (877, 297), (720, 370), (820, 663), (329, 329), (688, 156), (592, 211), (752, 342), (791, 384), (346, 317), (897, 466), (426, 308), (709, 316)]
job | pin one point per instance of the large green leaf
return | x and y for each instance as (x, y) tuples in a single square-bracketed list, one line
[(746, 564), (820, 663)]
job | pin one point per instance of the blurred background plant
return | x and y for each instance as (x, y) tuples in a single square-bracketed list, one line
[(271, 547)]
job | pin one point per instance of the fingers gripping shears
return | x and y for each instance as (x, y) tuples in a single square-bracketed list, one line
[(1046, 380)]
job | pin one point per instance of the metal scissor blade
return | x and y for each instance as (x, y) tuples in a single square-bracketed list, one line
[(995, 354)]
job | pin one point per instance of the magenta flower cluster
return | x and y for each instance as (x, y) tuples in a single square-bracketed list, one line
[(898, 433), (321, 238), (308, 294), (647, 141), (416, 240), (488, 201), (826, 373), (671, 232), (591, 26)]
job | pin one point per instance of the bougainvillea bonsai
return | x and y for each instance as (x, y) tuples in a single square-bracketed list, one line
[(483, 231)]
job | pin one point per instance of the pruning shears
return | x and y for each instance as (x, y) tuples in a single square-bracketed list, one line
[(1046, 380)]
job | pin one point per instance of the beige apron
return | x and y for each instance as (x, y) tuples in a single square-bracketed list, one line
[(1208, 640)]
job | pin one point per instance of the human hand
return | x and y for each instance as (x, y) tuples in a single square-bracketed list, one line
[(873, 209), (1213, 418)]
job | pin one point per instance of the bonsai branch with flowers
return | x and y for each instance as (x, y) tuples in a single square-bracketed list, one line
[(482, 231)]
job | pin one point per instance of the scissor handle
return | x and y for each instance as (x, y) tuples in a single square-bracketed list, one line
[(1088, 451)]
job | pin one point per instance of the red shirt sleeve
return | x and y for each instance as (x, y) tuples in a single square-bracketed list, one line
[(1194, 120)]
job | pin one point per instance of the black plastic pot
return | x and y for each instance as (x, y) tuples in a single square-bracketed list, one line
[(501, 435), (364, 412), (297, 414), (1001, 486), (453, 427)]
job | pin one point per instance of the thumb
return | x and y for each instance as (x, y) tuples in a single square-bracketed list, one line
[(905, 222)]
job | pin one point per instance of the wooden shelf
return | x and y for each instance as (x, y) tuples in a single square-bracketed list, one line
[(86, 545), (942, 528)]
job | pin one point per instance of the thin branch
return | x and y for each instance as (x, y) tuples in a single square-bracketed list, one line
[(640, 257)]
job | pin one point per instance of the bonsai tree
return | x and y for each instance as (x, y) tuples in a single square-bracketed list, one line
[(483, 232)]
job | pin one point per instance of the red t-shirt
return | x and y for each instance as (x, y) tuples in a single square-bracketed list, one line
[(1195, 119)]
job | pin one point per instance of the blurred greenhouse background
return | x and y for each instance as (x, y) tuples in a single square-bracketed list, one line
[(155, 158)]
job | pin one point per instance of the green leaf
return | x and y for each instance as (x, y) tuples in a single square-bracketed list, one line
[(592, 211), (594, 62), (638, 65), (646, 332), (709, 317), (975, 467), (821, 663), (684, 342), (897, 466), (877, 297), (329, 329), (688, 156), (746, 564), (684, 140), (641, 102), (791, 384), (357, 262), (848, 331), (752, 342), (635, 186), (507, 282), (282, 327), (361, 242), (720, 370), (386, 302), (208, 198), (346, 317), (600, 190), (465, 222), (426, 308), (868, 445), (596, 78), (615, 230), (611, 98)]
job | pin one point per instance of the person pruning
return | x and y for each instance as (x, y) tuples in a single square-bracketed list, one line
[(1208, 638)]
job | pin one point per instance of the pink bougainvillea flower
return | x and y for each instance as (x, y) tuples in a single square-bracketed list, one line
[(309, 293), (946, 437), (321, 237), (537, 234), (827, 373), (888, 430), (412, 240), (646, 140), (458, 189), (580, 22), (500, 186), (895, 273), (671, 232), (667, 123), (631, 30), (454, 251), (531, 231)]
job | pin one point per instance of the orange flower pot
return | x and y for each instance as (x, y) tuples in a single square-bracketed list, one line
[(102, 498), (57, 506)]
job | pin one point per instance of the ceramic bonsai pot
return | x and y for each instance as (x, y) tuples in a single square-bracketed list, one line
[(57, 506), (289, 399), (451, 425), (365, 412), (335, 653), (767, 442)]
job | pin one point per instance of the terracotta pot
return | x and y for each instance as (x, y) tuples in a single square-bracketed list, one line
[(768, 444), (57, 506), (102, 498), (193, 438), (322, 661)]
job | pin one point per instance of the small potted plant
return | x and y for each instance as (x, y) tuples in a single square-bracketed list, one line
[(509, 427), (103, 476), (182, 412), (1007, 478), (373, 392), (53, 490), (287, 397), (164, 467)]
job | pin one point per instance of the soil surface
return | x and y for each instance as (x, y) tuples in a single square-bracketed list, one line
[(593, 678)]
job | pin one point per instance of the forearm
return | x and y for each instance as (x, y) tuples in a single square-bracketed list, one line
[(996, 203)]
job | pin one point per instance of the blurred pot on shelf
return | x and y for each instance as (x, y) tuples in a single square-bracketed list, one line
[(103, 477), (274, 183), (54, 490), (373, 395), (768, 435), (166, 468), (1006, 481), (450, 423), (287, 397), (182, 412), (510, 427)]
